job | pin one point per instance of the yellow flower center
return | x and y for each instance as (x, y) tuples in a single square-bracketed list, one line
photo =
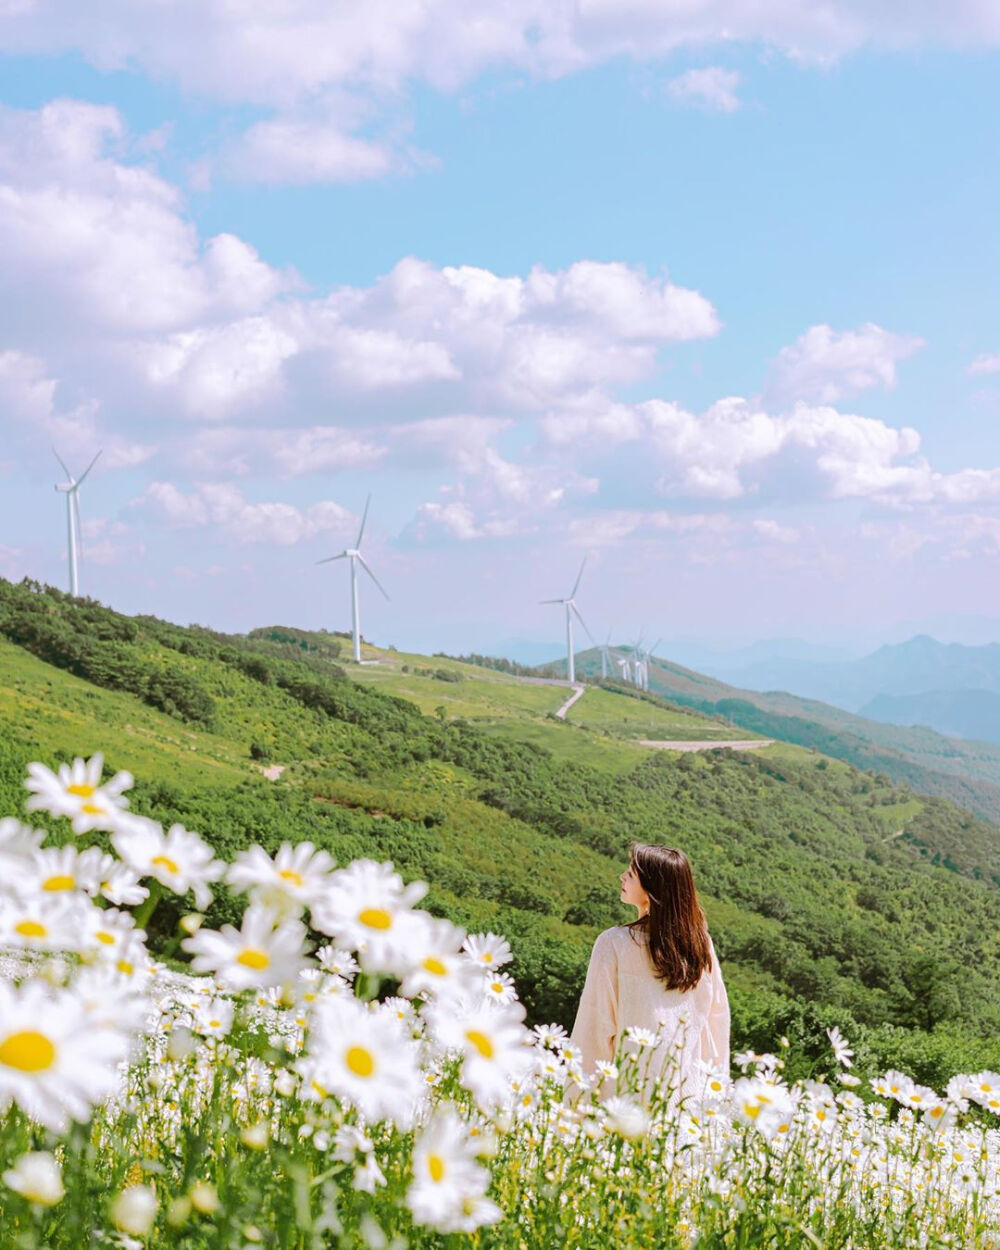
[(81, 789), (92, 809), (31, 929), (215, 1024), (255, 959), (53, 884), (751, 1110), (289, 874), (487, 957), (435, 1165), (107, 938), (376, 918), (497, 987), (124, 967), (164, 861), (360, 1061), (481, 1042), (435, 966), (29, 1051)]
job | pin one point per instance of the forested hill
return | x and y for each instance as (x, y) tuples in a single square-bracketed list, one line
[(833, 896), (966, 772)]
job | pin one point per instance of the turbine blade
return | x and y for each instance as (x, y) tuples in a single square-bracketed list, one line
[(364, 565), (63, 463), (342, 556), (582, 621), (551, 600), (576, 584), (364, 518), (89, 467)]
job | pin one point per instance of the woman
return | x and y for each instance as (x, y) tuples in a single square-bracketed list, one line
[(658, 973)]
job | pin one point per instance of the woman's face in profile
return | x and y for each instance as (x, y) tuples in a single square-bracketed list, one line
[(632, 892)]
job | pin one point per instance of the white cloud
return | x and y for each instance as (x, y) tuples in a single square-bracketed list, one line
[(985, 362), (102, 272), (712, 88), (302, 151), (28, 400), (91, 246), (323, 70), (825, 366), (222, 508)]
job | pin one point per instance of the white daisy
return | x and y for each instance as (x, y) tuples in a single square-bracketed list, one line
[(340, 962), (552, 1035), (16, 842), (449, 1185), (213, 1017), (487, 949), (44, 922), (36, 1176), (841, 1051), (367, 908), (60, 870), (56, 1061), (288, 883), (120, 885), (436, 968), (259, 953), (499, 987), (494, 1044), (365, 1058), (76, 792), (178, 859)]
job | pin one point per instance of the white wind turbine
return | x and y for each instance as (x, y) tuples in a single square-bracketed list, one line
[(71, 489), (605, 654), (646, 657), (354, 555), (571, 611)]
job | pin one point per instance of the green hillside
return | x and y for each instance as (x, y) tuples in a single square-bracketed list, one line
[(817, 878), (966, 773)]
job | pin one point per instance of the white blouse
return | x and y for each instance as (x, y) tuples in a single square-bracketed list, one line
[(622, 990)]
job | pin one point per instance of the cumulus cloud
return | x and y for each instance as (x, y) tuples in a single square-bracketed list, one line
[(825, 366), (221, 507), (711, 88), (94, 246), (102, 271), (321, 70)]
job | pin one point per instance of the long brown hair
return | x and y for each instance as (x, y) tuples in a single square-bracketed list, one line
[(675, 928)]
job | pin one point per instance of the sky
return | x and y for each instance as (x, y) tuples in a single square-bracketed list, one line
[(703, 294)]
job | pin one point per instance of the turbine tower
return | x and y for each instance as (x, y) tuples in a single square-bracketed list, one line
[(71, 489), (354, 555), (605, 654), (571, 611)]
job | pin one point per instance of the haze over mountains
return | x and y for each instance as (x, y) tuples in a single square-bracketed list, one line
[(951, 687)]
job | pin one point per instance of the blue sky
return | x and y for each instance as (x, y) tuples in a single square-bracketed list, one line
[(717, 312)]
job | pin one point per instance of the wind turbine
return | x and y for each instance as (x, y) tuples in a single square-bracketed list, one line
[(647, 656), (354, 555), (571, 610), (71, 489), (605, 652)]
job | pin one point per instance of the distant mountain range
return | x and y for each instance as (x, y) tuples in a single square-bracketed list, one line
[(950, 687)]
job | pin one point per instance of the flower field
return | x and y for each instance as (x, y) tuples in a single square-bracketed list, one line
[(345, 1069)]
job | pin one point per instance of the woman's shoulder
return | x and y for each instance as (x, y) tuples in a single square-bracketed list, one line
[(620, 935)]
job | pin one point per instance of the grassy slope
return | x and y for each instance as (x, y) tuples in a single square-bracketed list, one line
[(811, 893), (966, 773)]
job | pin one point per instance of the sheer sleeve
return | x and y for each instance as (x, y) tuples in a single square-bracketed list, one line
[(596, 1027), (715, 1038)]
